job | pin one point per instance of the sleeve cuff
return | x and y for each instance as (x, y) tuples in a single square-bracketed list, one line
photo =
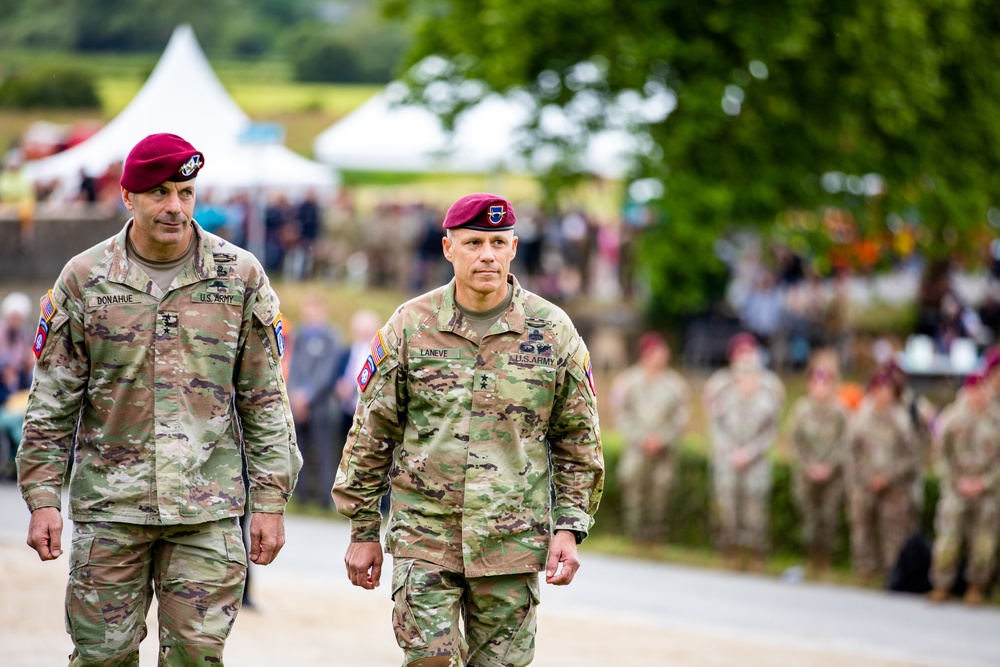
[(365, 530), (42, 496), (574, 520), (268, 502)]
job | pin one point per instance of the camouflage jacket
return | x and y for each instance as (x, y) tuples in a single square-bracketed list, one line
[(741, 420), (819, 432), (150, 391), (466, 430), (969, 444), (652, 406), (881, 444)]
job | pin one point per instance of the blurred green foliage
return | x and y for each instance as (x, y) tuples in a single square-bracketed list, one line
[(786, 104), (49, 87), (346, 41)]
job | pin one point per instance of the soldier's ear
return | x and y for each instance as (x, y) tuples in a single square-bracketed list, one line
[(127, 199), (446, 247)]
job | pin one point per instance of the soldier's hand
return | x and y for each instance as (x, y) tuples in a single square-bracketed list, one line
[(364, 564), (267, 536), (562, 551), (45, 532)]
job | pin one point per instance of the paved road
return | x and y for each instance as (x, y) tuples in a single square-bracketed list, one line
[(668, 597)]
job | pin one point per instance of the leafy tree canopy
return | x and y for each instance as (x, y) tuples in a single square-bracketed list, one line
[(883, 107)]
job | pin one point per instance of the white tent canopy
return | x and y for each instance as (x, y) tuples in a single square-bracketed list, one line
[(383, 136), (185, 97)]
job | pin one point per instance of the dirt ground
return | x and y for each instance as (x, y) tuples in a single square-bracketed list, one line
[(301, 622)]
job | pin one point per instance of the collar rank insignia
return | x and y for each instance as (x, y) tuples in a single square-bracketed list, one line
[(495, 214), (378, 349), (367, 371), (279, 334)]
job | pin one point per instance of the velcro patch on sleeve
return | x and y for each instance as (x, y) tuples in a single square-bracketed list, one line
[(367, 371), (378, 349), (279, 334), (41, 336)]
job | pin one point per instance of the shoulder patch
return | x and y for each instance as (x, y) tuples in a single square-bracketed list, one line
[(48, 307), (378, 349), (588, 367), (279, 334), (40, 336), (367, 371)]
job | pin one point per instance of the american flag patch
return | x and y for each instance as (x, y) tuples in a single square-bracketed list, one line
[(378, 349), (48, 307)]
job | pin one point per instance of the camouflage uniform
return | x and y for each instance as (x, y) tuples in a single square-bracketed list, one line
[(655, 407), (818, 435), (881, 522), (158, 397), (750, 422), (969, 445), (473, 436)]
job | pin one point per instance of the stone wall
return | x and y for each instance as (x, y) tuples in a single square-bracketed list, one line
[(57, 238)]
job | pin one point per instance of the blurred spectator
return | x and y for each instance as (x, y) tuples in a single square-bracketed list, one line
[(364, 325), (744, 403), (17, 193), (16, 365), (16, 340), (209, 214), (763, 311), (806, 308), (88, 187), (819, 430), (881, 469), (309, 225), (652, 407), (311, 379), (279, 231)]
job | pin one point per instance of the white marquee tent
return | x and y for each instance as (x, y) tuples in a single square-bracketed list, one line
[(184, 96), (383, 136)]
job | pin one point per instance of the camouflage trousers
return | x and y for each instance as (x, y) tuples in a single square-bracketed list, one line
[(431, 601), (196, 571), (742, 503), (646, 482), (975, 521), (880, 525), (819, 505)]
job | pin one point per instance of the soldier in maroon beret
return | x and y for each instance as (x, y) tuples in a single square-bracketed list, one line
[(479, 397), (158, 371)]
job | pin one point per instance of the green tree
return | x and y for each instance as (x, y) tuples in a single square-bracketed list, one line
[(779, 104)]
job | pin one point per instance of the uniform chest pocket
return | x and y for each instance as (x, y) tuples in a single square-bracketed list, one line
[(439, 383), (113, 322), (526, 389), (210, 323)]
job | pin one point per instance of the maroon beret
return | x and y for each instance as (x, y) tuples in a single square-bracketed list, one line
[(740, 340), (159, 158), (481, 211), (649, 341)]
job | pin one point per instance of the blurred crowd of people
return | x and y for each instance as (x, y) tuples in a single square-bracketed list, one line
[(859, 452)]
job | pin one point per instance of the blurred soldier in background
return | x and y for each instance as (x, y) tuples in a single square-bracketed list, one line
[(744, 403), (969, 447), (881, 467), (653, 405), (819, 429), (311, 378)]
